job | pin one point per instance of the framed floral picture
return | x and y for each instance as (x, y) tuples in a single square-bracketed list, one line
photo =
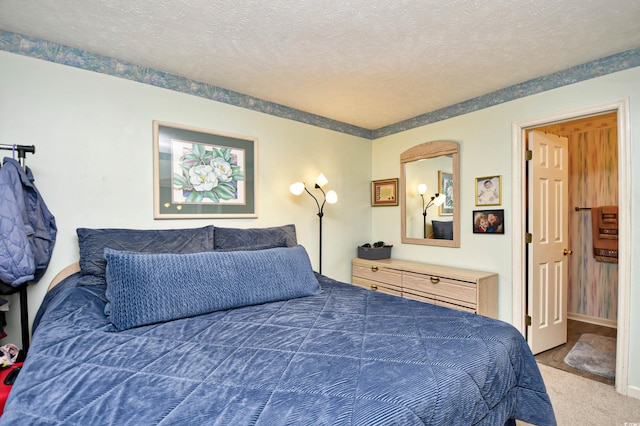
[(384, 192), (203, 174), (445, 186)]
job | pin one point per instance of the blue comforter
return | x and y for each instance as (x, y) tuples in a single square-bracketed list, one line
[(348, 356)]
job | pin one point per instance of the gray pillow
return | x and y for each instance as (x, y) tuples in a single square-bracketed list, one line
[(238, 238), (254, 247), (92, 243), (146, 288)]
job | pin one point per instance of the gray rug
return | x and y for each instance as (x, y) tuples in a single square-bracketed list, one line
[(595, 354)]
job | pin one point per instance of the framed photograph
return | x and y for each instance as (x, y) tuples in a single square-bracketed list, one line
[(445, 186), (489, 191), (203, 174), (384, 192), (488, 221)]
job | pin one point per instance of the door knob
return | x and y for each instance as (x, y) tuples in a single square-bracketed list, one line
[(567, 252)]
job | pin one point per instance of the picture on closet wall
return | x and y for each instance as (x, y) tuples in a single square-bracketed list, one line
[(488, 221), (489, 191), (200, 173)]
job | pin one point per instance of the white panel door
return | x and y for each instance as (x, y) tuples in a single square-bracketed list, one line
[(548, 223)]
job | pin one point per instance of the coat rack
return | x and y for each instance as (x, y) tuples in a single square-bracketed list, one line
[(5, 289)]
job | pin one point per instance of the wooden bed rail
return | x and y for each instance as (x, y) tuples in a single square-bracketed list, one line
[(68, 270)]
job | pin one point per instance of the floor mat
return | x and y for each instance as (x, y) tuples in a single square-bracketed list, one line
[(595, 354)]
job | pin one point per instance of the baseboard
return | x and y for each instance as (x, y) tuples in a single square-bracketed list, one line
[(633, 392), (592, 320)]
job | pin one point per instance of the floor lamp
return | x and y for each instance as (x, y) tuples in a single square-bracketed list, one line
[(329, 197), (437, 199)]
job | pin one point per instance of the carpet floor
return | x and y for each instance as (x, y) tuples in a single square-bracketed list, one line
[(580, 401)]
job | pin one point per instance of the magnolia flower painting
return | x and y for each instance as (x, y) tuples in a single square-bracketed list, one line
[(199, 173), (207, 173)]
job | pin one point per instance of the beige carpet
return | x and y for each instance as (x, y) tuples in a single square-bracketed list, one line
[(580, 401)]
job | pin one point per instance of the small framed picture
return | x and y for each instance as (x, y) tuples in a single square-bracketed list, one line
[(384, 192), (489, 191), (488, 221)]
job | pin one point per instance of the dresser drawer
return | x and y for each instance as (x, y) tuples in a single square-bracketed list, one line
[(390, 277), (440, 302), (377, 286), (442, 288), (457, 306)]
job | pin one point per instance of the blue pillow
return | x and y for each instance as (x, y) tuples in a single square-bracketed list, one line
[(238, 238), (145, 288), (442, 230), (92, 243)]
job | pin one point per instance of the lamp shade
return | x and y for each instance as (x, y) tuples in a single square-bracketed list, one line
[(422, 189), (332, 197), (440, 199), (296, 188), (321, 180)]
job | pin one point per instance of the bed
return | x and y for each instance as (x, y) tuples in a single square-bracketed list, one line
[(232, 327)]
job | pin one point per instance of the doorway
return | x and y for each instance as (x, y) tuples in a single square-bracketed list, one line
[(520, 225)]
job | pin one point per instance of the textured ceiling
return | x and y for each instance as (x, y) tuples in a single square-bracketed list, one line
[(369, 63)]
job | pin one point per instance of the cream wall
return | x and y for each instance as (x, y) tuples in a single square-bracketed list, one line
[(93, 166), (486, 144), (93, 162)]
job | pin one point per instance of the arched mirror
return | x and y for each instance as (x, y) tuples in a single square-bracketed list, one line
[(430, 194)]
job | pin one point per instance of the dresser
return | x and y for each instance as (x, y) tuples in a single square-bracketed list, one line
[(462, 289)]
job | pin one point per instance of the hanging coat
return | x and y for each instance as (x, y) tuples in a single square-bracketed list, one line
[(27, 227)]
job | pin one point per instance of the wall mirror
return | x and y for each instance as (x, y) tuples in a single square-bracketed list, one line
[(430, 194)]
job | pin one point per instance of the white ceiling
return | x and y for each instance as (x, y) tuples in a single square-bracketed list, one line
[(369, 63)]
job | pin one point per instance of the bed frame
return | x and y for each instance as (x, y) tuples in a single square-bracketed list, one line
[(69, 270)]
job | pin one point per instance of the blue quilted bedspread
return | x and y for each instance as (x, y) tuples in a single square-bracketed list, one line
[(347, 356)]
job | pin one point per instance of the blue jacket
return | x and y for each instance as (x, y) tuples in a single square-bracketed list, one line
[(27, 227)]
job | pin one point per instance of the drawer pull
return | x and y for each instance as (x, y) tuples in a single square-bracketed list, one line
[(374, 268), (374, 287), (435, 280)]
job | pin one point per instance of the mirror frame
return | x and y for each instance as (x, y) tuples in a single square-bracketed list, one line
[(422, 152)]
